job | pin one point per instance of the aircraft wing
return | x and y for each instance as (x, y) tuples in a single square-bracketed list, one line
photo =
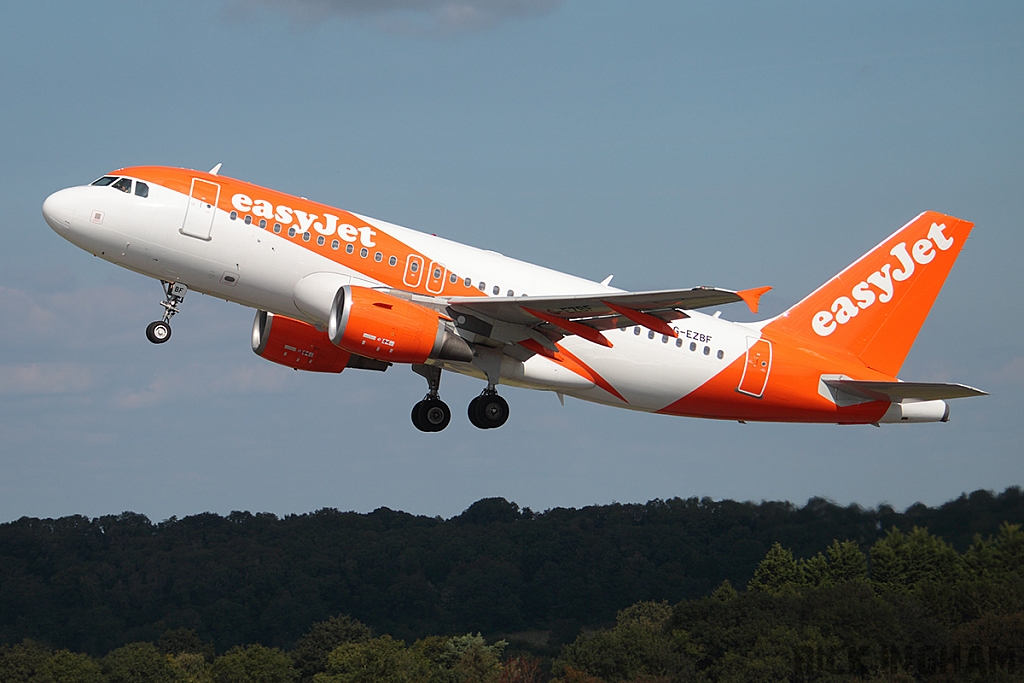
[(895, 392), (602, 311)]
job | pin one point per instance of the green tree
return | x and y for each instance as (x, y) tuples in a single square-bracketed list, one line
[(725, 592), (903, 561), (72, 667), (815, 570), (26, 662), (378, 660), (184, 640), (191, 667), (999, 557), (471, 660), (641, 645), (777, 573), (253, 664), (846, 562), (138, 662), (311, 650)]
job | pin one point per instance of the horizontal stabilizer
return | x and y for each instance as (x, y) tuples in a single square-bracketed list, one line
[(896, 392)]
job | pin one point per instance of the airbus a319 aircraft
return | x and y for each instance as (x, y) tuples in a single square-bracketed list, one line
[(336, 290)]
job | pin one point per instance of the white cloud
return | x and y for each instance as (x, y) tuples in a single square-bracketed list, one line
[(412, 16), (45, 378)]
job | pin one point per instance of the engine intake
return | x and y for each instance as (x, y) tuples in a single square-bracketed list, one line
[(295, 344), (377, 325)]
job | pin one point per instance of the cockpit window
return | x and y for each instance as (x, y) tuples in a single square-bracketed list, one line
[(141, 189), (124, 184), (105, 180)]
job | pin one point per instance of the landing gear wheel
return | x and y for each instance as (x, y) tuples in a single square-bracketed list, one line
[(158, 332), (488, 411), (431, 415)]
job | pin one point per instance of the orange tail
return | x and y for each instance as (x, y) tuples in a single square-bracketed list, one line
[(875, 308)]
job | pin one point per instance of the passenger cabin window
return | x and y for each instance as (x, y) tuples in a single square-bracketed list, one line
[(104, 181), (141, 189), (124, 184)]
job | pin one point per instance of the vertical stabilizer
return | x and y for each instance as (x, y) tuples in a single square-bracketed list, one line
[(876, 306)]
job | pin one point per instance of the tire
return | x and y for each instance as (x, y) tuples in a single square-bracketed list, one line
[(488, 411), (417, 417), (158, 332), (474, 417), (436, 415)]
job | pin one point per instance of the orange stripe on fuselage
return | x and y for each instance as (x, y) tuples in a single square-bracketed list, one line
[(573, 363), (791, 394), (180, 180)]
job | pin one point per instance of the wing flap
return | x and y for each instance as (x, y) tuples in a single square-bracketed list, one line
[(594, 310)]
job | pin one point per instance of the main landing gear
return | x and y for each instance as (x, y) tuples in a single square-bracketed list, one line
[(431, 414), (486, 411), (160, 331)]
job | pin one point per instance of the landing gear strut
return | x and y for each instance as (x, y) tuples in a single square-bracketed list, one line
[(160, 331), (431, 414), (488, 410)]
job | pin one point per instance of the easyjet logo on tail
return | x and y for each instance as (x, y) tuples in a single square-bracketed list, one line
[(881, 284)]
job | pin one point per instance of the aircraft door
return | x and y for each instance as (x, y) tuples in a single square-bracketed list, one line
[(201, 209), (435, 277), (757, 367), (413, 271)]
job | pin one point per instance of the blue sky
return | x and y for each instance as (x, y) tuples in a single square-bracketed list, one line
[(670, 144)]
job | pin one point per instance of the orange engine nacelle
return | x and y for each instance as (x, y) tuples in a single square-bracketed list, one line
[(301, 346), (380, 326)]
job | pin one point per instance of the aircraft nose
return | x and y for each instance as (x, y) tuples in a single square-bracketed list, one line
[(59, 210)]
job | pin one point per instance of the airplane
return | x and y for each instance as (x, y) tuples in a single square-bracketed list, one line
[(335, 290)]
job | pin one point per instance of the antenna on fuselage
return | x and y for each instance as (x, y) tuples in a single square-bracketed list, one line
[(215, 170)]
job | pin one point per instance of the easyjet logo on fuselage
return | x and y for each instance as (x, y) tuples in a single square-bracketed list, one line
[(285, 215), (883, 280)]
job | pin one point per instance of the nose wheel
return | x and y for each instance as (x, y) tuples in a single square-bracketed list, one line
[(160, 331), (488, 410)]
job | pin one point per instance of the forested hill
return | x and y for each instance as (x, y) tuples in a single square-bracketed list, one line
[(94, 584)]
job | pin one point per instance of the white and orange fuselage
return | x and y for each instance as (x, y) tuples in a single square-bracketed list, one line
[(334, 289)]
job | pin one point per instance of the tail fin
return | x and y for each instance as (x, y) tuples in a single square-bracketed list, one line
[(876, 306)]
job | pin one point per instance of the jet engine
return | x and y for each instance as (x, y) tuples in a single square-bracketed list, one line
[(377, 325), (301, 346)]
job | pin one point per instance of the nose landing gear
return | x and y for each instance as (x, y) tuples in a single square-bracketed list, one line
[(431, 414), (160, 331)]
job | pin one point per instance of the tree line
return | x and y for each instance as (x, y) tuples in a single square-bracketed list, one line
[(91, 586), (911, 609)]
